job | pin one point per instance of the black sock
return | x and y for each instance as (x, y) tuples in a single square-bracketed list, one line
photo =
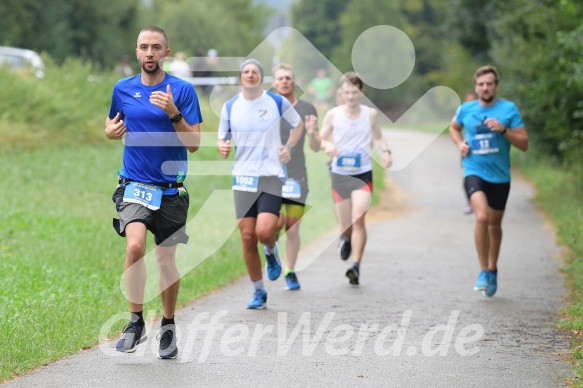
[(494, 271), (166, 321), (138, 318)]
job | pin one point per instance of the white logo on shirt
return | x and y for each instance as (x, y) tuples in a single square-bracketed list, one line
[(137, 95)]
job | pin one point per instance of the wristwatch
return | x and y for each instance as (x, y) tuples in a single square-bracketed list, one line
[(289, 147), (176, 118)]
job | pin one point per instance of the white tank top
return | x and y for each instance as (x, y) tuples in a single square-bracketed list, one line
[(352, 139)]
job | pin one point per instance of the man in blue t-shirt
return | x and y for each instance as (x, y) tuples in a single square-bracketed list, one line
[(491, 125), (158, 116)]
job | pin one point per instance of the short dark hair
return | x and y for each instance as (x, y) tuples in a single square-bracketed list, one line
[(158, 30), (353, 78), (488, 69)]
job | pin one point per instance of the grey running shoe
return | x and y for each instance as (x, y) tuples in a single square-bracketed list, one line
[(168, 348), (132, 335)]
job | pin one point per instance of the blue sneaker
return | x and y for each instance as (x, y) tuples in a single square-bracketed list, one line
[(482, 282), (259, 300), (272, 265), (492, 284), (292, 282)]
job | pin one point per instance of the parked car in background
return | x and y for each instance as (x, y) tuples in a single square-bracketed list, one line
[(22, 61)]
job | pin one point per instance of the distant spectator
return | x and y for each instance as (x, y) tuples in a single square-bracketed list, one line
[(123, 67), (321, 89), (212, 60), (179, 67)]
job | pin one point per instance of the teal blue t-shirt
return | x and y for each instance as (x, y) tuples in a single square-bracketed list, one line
[(489, 156)]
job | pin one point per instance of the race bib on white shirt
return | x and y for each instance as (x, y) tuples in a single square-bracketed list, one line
[(245, 183), (348, 162)]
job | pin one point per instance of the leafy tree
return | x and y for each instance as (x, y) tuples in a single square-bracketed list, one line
[(232, 27), (545, 79), (318, 22), (92, 29)]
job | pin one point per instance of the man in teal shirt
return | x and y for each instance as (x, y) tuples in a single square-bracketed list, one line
[(492, 126)]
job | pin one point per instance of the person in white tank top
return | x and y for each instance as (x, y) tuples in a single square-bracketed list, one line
[(347, 134)]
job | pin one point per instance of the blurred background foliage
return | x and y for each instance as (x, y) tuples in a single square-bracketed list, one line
[(536, 45)]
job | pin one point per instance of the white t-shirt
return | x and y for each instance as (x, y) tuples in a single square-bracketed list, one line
[(180, 68), (253, 125)]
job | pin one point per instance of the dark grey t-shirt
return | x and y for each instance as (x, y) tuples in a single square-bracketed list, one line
[(296, 167)]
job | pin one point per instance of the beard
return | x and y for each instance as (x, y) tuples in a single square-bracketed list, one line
[(152, 70), (487, 100)]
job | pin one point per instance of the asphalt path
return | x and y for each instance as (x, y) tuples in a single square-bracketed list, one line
[(414, 320)]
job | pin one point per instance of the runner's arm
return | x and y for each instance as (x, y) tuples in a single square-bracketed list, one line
[(326, 130), (311, 126), (517, 137), (224, 148), (115, 128), (294, 137), (455, 132), (377, 135), (189, 135)]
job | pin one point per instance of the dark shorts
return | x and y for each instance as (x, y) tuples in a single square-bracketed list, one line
[(344, 185), (167, 224), (496, 193), (267, 198)]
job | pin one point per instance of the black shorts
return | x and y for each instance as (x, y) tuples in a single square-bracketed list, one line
[(344, 185), (167, 224), (496, 193), (267, 198)]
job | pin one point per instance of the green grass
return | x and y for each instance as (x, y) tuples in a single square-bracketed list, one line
[(559, 193), (61, 262)]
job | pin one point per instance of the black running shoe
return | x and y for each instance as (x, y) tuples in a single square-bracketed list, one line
[(353, 275), (132, 335), (345, 248), (167, 337)]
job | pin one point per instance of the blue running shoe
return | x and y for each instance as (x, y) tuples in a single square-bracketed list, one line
[(272, 265), (292, 282), (482, 282), (259, 300), (492, 284)]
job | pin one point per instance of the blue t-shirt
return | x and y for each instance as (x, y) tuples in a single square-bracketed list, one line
[(489, 156), (153, 153)]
